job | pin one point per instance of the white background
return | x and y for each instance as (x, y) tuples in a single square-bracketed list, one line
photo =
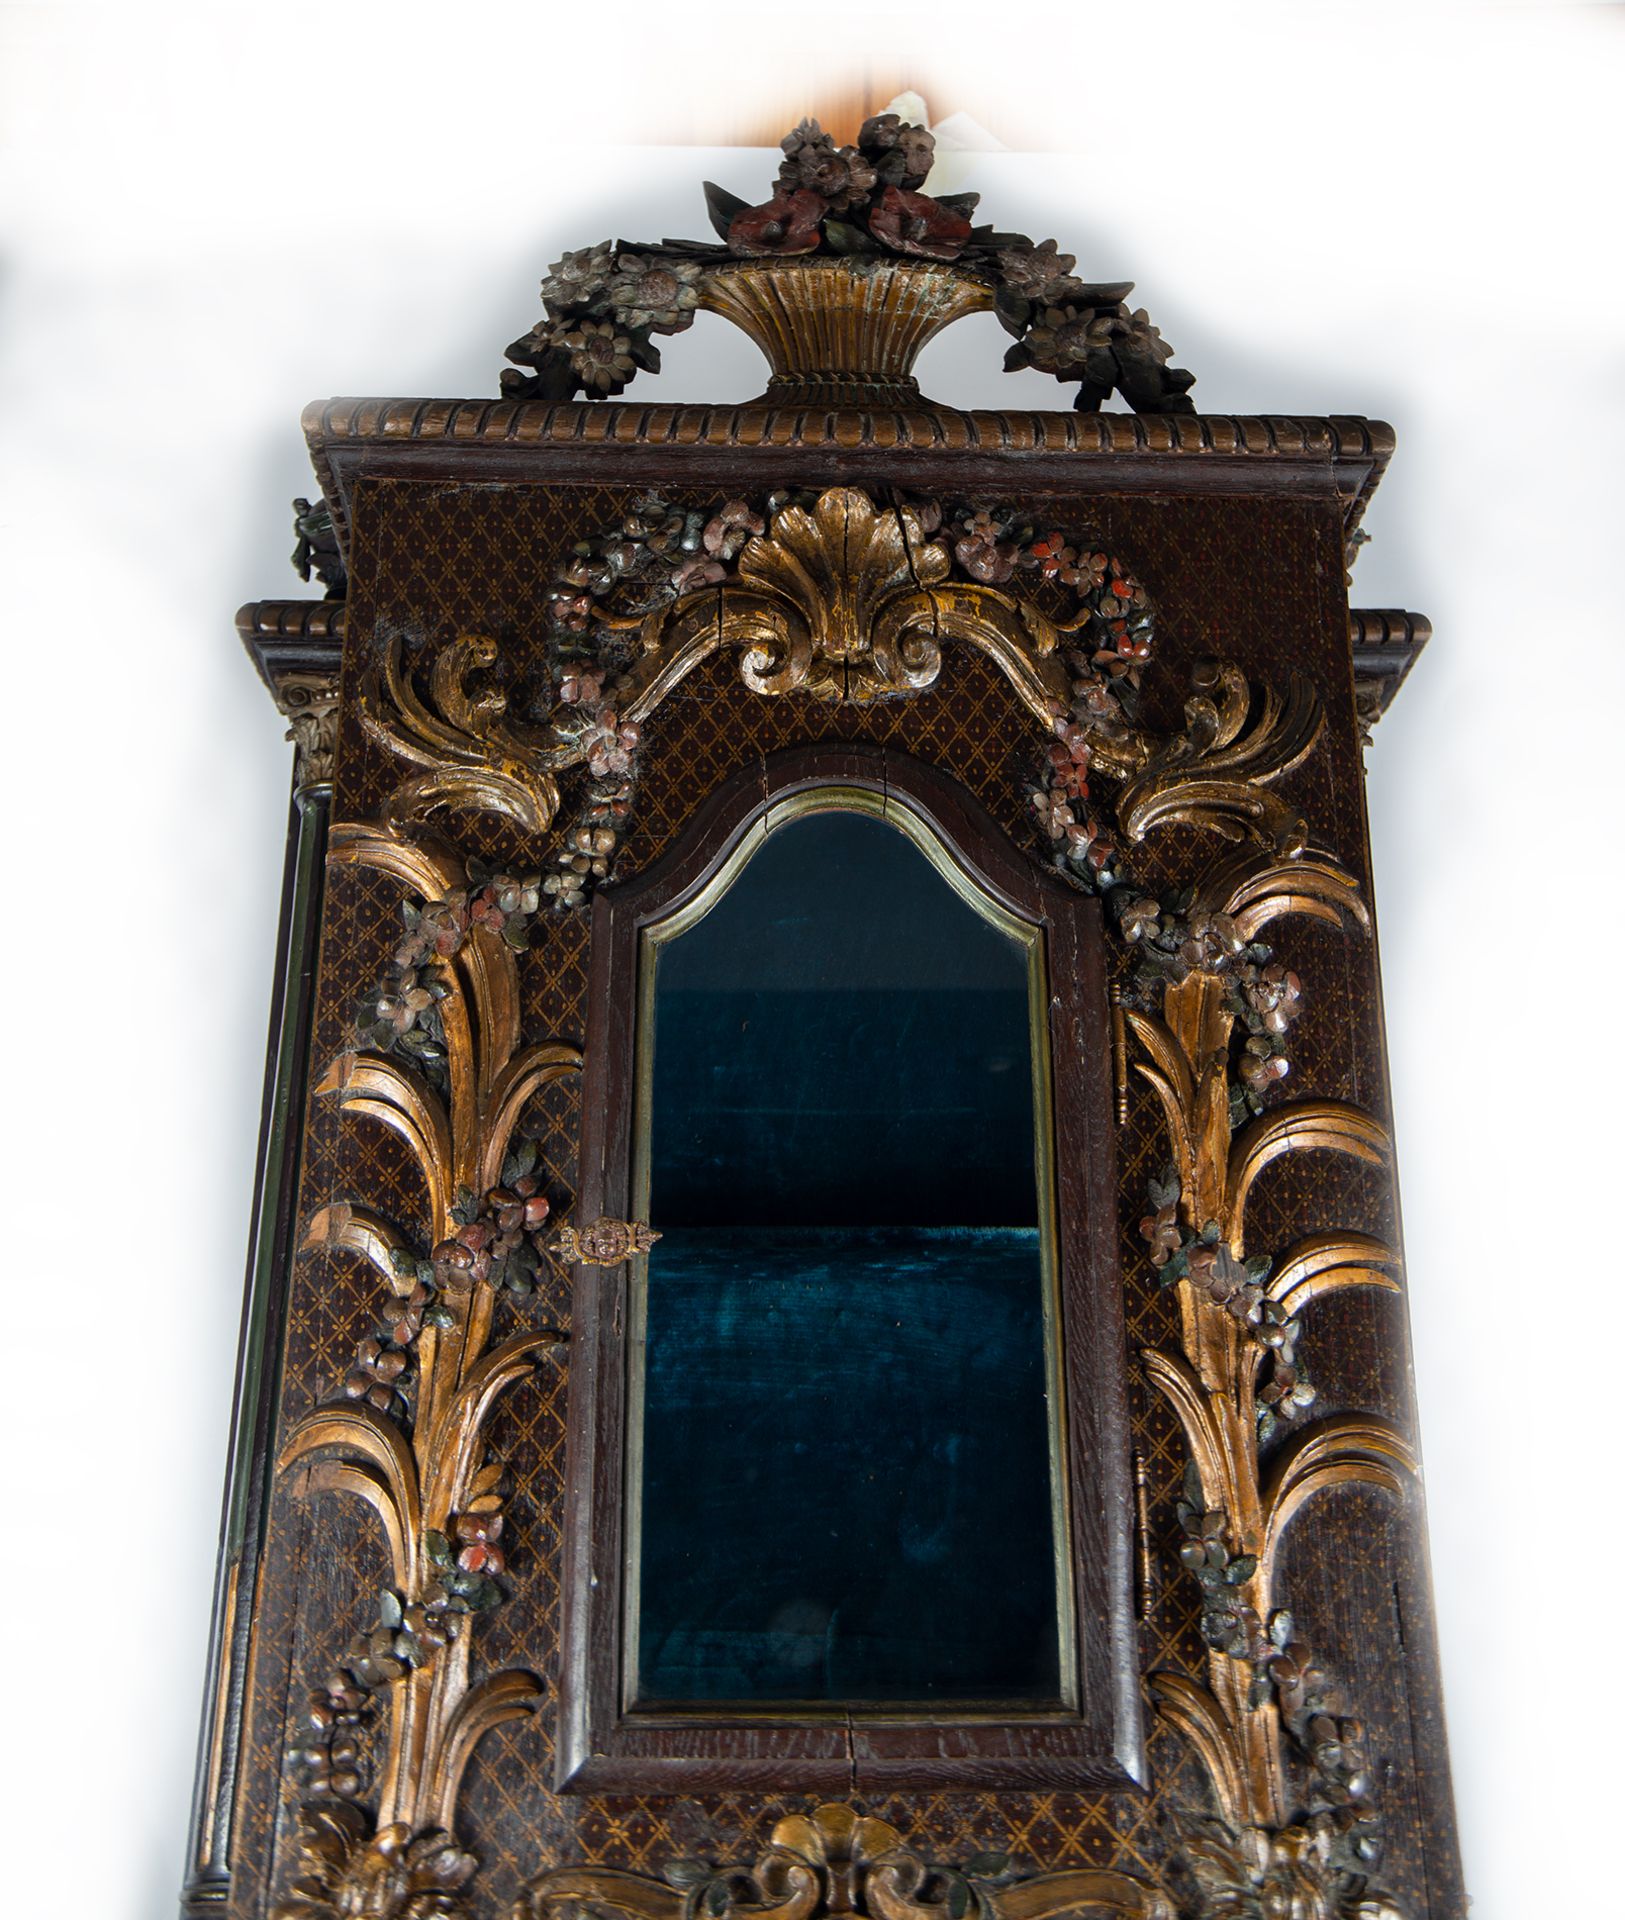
[(215, 213)]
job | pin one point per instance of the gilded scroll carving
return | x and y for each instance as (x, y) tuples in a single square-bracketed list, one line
[(473, 755), (406, 1438), (1237, 1376), (839, 1861), (829, 595), (842, 598), (839, 597), (1217, 772)]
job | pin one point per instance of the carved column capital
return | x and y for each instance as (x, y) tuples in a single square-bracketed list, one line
[(310, 701)]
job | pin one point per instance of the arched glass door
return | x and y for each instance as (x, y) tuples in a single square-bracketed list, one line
[(847, 1490), (845, 1448)]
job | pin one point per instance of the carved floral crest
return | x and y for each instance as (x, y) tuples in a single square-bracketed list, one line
[(841, 275)]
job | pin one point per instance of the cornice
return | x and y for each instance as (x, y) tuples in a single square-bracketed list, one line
[(291, 637), (1385, 643), (635, 440)]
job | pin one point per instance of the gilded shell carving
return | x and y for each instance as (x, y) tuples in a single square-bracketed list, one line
[(832, 601)]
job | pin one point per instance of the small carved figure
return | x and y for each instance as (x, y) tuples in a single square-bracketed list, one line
[(316, 548)]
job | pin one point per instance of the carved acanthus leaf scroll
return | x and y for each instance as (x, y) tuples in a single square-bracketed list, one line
[(837, 597), (831, 602), (407, 1439), (837, 1861), (844, 599), (473, 755), (1237, 1313), (1217, 772)]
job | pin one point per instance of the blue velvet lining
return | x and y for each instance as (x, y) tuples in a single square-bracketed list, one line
[(872, 1108), (846, 1456), (846, 1490)]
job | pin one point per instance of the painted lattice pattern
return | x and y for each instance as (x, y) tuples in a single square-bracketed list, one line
[(1259, 581)]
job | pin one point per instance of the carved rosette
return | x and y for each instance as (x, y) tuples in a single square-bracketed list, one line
[(841, 598)]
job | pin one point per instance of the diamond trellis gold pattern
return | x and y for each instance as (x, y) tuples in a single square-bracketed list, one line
[(1260, 581)]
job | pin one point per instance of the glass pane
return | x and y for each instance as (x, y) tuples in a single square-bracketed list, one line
[(846, 1477)]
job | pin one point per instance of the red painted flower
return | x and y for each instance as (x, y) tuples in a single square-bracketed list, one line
[(914, 223), (1139, 919), (697, 571), (1161, 1230), (1054, 814), (1096, 697), (788, 223), (1067, 774), (1260, 1068), (728, 530), (983, 551), (1056, 560), (886, 133), (610, 743), (477, 1534), (570, 610)]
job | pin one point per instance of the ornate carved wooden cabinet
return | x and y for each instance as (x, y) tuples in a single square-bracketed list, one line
[(962, 1463)]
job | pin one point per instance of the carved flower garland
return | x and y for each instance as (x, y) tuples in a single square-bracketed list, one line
[(1265, 997), (605, 304), (349, 1869), (1317, 1869), (400, 1014), (603, 590), (1238, 1286), (407, 1633), (497, 1244), (611, 582)]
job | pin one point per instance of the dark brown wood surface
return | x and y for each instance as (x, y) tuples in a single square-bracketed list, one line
[(459, 515)]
